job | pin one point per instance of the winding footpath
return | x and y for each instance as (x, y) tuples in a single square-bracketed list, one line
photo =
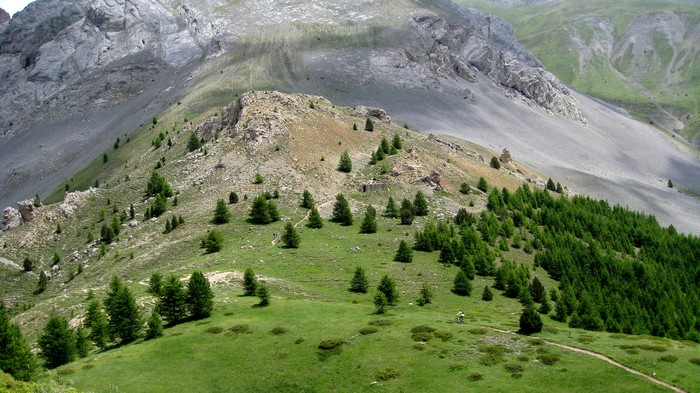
[(603, 358)]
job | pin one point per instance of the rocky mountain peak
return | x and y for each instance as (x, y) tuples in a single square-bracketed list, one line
[(4, 16)]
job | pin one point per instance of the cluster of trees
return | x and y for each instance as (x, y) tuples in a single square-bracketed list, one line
[(16, 357), (253, 287), (159, 188), (385, 148), (263, 211), (618, 270), (177, 303)]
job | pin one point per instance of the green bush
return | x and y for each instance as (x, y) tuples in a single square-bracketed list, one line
[(477, 331), (653, 348), (548, 358), (514, 368), (214, 330), (381, 322), (443, 335), (475, 377), (585, 339), (387, 373), (279, 330), (422, 336), (331, 343), (241, 328), (368, 330), (695, 361), (490, 359), (668, 358), (422, 328), (456, 367)]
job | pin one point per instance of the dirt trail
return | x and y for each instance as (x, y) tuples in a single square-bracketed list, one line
[(603, 358), (276, 239)]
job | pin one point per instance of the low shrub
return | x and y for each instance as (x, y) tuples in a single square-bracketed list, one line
[(695, 361), (477, 331), (653, 348), (380, 322), (368, 330), (279, 330), (668, 358), (514, 368), (443, 335), (88, 366), (66, 371), (422, 328), (490, 359), (516, 375), (241, 328), (548, 358), (214, 330), (585, 339), (475, 377), (419, 346), (535, 341), (387, 373), (523, 358), (495, 349), (299, 340), (331, 343), (457, 367), (422, 336)]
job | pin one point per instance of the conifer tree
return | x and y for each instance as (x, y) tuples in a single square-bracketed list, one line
[(379, 154), (447, 255), (391, 210), (530, 321), (155, 326), (345, 164), (359, 283), (537, 290), (487, 295), (250, 283), (396, 142), (560, 312), (315, 220), (369, 223), (123, 314), (193, 143), (426, 295), (388, 288), (213, 242), (199, 296), (263, 211), (158, 185), (96, 321), (221, 213), (107, 234), (483, 185), (16, 357), (373, 158), (464, 188), (307, 200), (462, 286), (468, 266), (545, 307), (232, 197), (550, 185), (155, 284), (369, 125), (158, 207), (380, 301), (404, 253), (82, 344), (341, 211), (57, 343), (28, 264), (495, 163), (172, 304), (384, 145), (43, 282), (263, 294), (290, 237)]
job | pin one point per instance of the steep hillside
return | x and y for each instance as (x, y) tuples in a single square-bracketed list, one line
[(101, 70), (316, 335), (642, 56)]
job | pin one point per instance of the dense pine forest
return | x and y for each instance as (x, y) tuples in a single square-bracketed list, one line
[(618, 270)]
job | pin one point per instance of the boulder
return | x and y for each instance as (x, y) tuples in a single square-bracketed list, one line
[(505, 156), (11, 218), (27, 209)]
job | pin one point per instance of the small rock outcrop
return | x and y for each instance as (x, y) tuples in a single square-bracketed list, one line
[(27, 209), (505, 156), (375, 113), (11, 218)]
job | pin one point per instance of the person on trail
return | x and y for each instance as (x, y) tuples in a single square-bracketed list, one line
[(460, 316)]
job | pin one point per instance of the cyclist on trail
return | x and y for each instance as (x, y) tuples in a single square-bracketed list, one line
[(460, 316)]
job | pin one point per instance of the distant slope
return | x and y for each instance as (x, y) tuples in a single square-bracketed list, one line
[(640, 55)]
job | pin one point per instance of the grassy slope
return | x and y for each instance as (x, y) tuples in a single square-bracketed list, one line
[(546, 30), (308, 285)]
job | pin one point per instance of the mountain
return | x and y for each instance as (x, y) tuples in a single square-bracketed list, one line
[(4, 16), (79, 75), (642, 56)]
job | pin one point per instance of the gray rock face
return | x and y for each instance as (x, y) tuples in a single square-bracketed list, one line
[(11, 218), (4, 16)]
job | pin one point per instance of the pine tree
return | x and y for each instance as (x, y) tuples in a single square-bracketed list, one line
[(82, 344), (495, 163), (530, 321), (123, 314), (369, 125), (369, 223), (174, 223), (345, 164), (341, 211), (315, 220), (537, 290), (359, 283), (193, 143), (487, 295), (468, 266), (388, 288), (464, 188), (380, 301), (546, 306), (155, 284), (560, 312), (213, 242), (199, 296), (384, 145), (250, 283), (391, 210), (43, 282), (172, 304), (407, 212), (28, 264), (550, 185), (396, 142), (107, 234), (16, 357), (158, 185), (159, 206), (221, 213), (259, 179), (373, 158), (263, 294), (132, 212), (232, 198), (379, 154), (57, 343), (426, 295), (307, 200), (447, 255), (55, 259), (96, 321), (290, 237), (155, 326), (116, 225), (404, 253), (483, 185), (263, 211), (462, 286)]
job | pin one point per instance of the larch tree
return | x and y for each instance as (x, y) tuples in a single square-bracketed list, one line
[(57, 343), (200, 298), (172, 305), (16, 357)]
